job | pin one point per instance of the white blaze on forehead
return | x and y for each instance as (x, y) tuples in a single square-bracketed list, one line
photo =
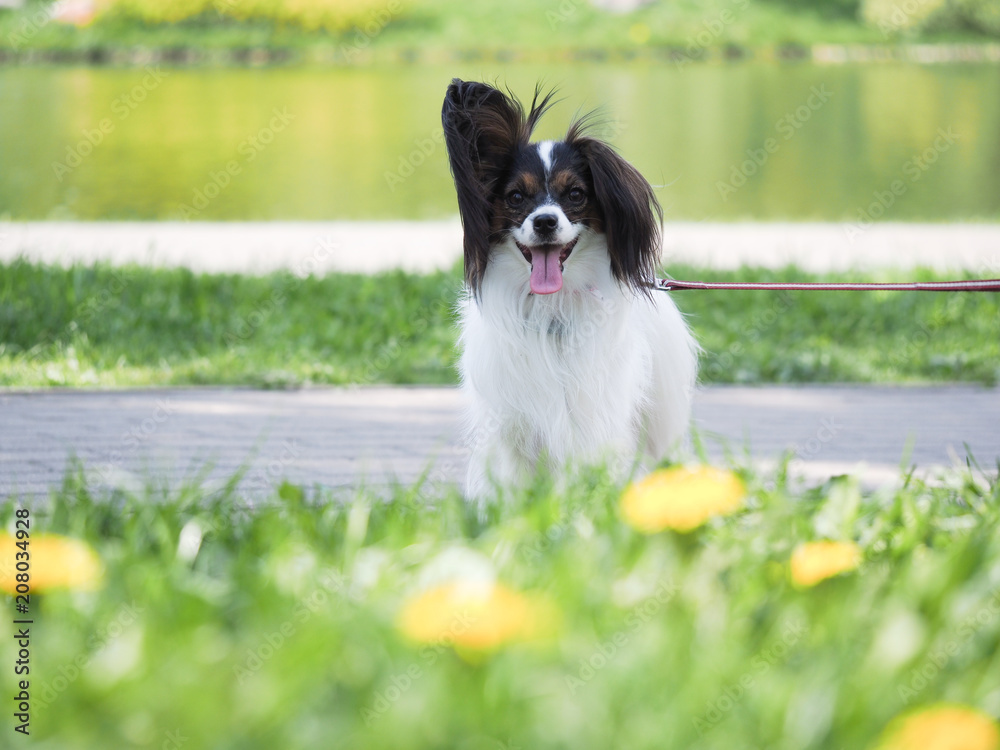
[(545, 154)]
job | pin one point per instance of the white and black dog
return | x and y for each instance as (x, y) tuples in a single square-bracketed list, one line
[(567, 358)]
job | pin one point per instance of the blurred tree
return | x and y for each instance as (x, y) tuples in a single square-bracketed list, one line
[(902, 17), (982, 14)]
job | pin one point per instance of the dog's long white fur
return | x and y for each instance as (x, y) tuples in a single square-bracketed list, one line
[(596, 373)]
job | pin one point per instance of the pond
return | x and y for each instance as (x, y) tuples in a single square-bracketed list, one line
[(734, 141)]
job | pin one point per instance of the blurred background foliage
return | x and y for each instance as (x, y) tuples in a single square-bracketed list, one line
[(920, 15), (515, 24), (331, 15), (337, 15)]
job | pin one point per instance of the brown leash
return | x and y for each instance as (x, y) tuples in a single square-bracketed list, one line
[(974, 285)]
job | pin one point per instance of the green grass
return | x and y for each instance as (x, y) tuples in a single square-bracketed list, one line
[(523, 25), (275, 627), (105, 327)]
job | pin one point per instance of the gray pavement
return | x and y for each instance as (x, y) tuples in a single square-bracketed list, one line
[(342, 437)]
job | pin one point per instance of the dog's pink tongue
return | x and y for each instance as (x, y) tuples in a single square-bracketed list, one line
[(546, 271)]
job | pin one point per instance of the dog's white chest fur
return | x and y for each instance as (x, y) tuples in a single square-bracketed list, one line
[(594, 373)]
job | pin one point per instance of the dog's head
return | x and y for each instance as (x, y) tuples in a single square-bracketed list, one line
[(542, 198)]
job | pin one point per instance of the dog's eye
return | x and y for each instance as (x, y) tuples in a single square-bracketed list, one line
[(577, 196), (515, 198)]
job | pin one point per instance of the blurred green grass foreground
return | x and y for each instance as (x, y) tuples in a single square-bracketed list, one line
[(357, 28), (320, 621)]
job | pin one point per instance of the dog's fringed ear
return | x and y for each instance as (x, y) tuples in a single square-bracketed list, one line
[(631, 215), (482, 128)]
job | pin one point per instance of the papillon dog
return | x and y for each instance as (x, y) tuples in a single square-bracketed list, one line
[(567, 358)]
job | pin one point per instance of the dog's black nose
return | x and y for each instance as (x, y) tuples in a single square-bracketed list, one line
[(546, 223)]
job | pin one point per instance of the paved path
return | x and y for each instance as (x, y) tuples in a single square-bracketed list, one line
[(340, 437), (365, 247)]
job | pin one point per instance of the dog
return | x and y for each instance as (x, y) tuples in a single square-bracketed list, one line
[(566, 357)]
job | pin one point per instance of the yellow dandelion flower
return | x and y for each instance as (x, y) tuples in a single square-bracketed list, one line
[(681, 498), (813, 562), (941, 727), (54, 562), (475, 616)]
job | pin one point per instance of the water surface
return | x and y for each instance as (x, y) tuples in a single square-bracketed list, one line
[(724, 142)]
